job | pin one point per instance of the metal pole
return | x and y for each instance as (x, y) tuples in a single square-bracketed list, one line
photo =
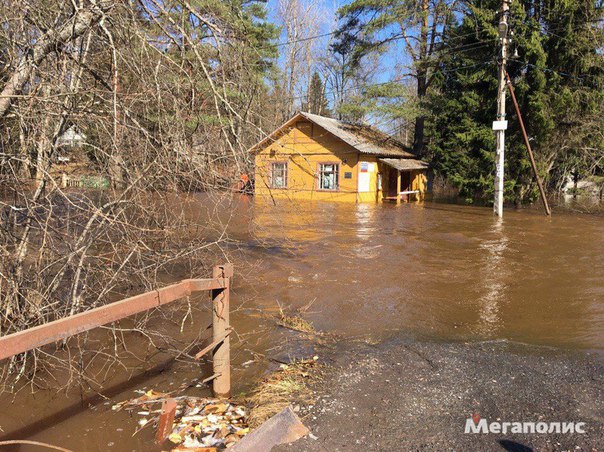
[(221, 363), (60, 329), (500, 150), (528, 146)]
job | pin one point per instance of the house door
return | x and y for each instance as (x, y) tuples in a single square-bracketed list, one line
[(392, 179), (364, 179)]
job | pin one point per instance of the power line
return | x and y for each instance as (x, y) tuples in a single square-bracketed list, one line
[(396, 38), (309, 38), (440, 52), (484, 63), (360, 27), (553, 71), (464, 47), (397, 80)]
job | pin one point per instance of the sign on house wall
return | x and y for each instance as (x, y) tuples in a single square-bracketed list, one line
[(364, 184)]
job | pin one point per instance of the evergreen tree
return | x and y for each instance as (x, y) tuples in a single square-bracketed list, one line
[(558, 76), (418, 24), (317, 102)]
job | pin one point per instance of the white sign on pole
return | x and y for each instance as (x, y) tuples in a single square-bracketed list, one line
[(500, 125)]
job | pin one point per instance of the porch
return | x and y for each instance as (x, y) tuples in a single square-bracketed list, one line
[(404, 180)]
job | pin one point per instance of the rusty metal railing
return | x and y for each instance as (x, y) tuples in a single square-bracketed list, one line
[(219, 285)]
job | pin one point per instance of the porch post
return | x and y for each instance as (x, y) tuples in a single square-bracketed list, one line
[(398, 186)]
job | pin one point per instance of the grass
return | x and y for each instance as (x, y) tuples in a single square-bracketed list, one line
[(289, 385), (294, 322)]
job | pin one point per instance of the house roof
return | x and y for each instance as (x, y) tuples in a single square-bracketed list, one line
[(364, 138), (405, 164)]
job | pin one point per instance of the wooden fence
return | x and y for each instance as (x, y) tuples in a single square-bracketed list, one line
[(98, 182), (219, 285)]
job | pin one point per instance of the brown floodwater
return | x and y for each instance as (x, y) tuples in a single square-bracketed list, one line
[(431, 272)]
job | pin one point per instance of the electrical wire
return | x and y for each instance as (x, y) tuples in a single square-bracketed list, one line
[(554, 71), (440, 52)]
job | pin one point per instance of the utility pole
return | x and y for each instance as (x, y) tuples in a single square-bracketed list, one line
[(500, 124)]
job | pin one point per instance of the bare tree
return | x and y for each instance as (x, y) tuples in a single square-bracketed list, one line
[(301, 21), (157, 98)]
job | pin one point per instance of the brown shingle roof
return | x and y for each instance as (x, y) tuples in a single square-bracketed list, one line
[(364, 138), (405, 164)]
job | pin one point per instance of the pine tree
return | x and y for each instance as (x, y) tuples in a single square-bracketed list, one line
[(418, 24), (317, 102), (557, 75)]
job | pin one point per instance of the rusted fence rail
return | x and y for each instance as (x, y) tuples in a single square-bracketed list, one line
[(219, 285)]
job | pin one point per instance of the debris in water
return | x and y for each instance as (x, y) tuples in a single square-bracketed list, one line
[(202, 422), (199, 422), (137, 402), (291, 384), (295, 322)]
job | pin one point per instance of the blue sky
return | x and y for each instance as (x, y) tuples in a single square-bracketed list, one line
[(329, 10)]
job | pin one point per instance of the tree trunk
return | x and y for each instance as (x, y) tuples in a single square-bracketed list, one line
[(575, 183), (43, 143), (422, 79), (24, 166), (77, 25), (418, 136), (418, 133)]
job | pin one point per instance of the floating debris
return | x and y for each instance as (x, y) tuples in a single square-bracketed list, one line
[(209, 423), (149, 396), (199, 422), (295, 322)]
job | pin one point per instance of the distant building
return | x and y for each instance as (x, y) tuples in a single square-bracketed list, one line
[(313, 157), (71, 138)]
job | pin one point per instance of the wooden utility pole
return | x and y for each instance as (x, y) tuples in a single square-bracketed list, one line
[(500, 124)]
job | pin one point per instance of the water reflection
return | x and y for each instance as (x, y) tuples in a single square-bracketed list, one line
[(365, 224), (493, 278)]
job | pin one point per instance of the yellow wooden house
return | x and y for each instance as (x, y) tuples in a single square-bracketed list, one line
[(314, 157)]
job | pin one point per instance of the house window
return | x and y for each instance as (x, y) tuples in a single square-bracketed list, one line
[(279, 175), (328, 176)]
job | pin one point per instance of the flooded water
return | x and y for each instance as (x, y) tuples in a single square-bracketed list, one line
[(431, 271), (439, 271)]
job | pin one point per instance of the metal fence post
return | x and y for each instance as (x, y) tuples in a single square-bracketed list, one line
[(220, 332)]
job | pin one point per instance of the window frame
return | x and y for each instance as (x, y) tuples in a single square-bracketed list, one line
[(320, 173), (285, 175)]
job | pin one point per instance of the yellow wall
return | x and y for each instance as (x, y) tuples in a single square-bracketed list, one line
[(304, 147), (419, 181)]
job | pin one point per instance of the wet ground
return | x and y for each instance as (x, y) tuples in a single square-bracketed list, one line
[(408, 395), (433, 272)]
